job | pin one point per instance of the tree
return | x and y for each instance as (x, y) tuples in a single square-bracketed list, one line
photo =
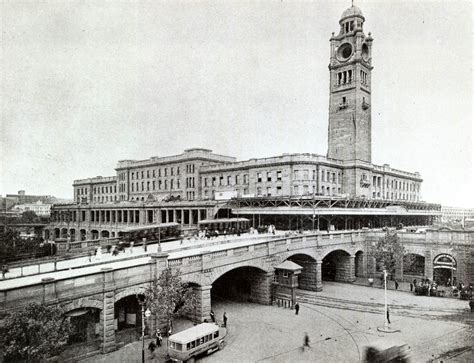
[(35, 333), (29, 217), (388, 252), (168, 297)]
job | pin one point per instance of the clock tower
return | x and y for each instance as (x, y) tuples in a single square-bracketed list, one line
[(350, 66)]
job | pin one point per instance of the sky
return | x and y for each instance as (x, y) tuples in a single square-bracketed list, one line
[(85, 84)]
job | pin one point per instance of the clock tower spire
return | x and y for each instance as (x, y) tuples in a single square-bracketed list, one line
[(350, 66)]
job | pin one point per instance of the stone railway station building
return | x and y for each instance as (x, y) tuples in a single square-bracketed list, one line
[(198, 183)]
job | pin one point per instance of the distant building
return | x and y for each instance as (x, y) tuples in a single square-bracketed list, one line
[(23, 198), (456, 214), (41, 209)]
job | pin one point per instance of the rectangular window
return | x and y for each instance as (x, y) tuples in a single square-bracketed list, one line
[(246, 178), (154, 175), (279, 175), (166, 171), (297, 174), (269, 191), (323, 175), (228, 180), (221, 180), (143, 175), (305, 174), (236, 180), (269, 176), (259, 191), (259, 177), (278, 191), (148, 173)]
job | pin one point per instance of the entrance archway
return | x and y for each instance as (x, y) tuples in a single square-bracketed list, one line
[(338, 266), (128, 319), (105, 234), (243, 284), (95, 234), (85, 325), (413, 265), (444, 269)]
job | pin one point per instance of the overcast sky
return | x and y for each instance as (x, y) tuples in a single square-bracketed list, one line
[(85, 84)]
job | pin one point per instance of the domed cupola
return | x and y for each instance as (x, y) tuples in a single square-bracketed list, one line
[(351, 20)]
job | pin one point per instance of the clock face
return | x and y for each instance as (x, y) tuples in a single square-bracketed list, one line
[(344, 51)]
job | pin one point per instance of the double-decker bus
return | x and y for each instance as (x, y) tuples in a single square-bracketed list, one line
[(151, 233)]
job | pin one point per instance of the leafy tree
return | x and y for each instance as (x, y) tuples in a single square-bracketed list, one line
[(389, 251), (29, 217), (168, 297), (35, 333), (13, 248)]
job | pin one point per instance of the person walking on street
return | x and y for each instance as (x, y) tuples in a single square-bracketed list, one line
[(396, 285), (224, 318), (213, 316), (151, 348), (306, 341), (388, 315), (411, 287), (4, 270), (297, 308), (159, 338)]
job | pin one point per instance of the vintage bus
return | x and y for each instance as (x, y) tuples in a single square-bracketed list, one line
[(151, 234), (201, 339), (227, 225)]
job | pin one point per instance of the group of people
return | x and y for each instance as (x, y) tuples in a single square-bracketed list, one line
[(213, 318), (432, 288), (270, 229), (214, 233)]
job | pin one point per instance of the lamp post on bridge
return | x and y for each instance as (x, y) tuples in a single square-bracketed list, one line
[(145, 314)]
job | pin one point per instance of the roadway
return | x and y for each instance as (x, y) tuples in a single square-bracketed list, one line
[(132, 256)]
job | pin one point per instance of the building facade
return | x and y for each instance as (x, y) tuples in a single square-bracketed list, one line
[(201, 178)]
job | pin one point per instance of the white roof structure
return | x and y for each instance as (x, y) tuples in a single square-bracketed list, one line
[(194, 333)]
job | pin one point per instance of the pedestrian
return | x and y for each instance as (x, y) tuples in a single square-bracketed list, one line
[(224, 318), (151, 348), (159, 338), (213, 316), (411, 287), (89, 253), (414, 283), (388, 315), (4, 270), (306, 341), (396, 285), (297, 308)]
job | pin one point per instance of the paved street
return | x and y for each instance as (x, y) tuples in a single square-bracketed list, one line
[(340, 321), (131, 257)]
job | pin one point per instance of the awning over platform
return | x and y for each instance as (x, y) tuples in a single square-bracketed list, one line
[(335, 211)]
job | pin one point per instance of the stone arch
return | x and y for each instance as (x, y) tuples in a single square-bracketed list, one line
[(94, 234), (82, 235), (307, 280), (63, 232), (72, 233), (245, 282), (338, 265), (105, 233), (85, 302), (132, 290), (220, 271), (346, 250)]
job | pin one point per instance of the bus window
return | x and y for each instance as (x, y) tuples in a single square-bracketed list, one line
[(193, 344), (179, 347), (188, 346), (216, 334), (202, 340)]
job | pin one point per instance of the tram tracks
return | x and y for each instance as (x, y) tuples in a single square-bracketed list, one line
[(373, 307)]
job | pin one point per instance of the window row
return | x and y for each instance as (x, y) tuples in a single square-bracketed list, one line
[(155, 172), (155, 185), (344, 77), (269, 176), (363, 77), (221, 180), (105, 189), (82, 191)]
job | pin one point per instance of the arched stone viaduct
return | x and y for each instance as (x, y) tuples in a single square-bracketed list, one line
[(102, 289)]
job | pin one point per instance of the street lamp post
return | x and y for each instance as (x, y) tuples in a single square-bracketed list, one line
[(385, 296), (146, 313)]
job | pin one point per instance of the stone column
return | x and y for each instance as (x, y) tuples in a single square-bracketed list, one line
[(308, 279), (428, 264), (261, 288), (203, 308), (190, 220), (345, 269), (107, 315), (319, 275)]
